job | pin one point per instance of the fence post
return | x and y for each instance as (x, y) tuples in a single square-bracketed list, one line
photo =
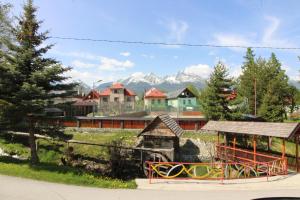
[(223, 174)]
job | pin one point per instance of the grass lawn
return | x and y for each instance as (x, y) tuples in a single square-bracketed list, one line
[(59, 174)]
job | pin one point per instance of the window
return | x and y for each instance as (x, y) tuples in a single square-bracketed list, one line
[(105, 99), (158, 101), (116, 99), (189, 101), (128, 99), (152, 101), (183, 101), (116, 91)]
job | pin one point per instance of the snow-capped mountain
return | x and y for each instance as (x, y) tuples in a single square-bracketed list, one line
[(140, 82)]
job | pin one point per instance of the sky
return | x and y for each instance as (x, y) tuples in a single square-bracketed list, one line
[(230, 22)]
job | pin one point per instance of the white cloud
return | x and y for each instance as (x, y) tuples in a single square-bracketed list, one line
[(80, 64), (177, 30), (111, 64), (201, 70), (268, 38), (227, 39), (148, 56), (86, 77), (83, 55), (126, 53)]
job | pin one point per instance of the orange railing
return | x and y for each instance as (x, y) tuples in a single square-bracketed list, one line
[(234, 163)]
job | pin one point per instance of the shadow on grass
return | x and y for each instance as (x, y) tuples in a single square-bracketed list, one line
[(51, 167)]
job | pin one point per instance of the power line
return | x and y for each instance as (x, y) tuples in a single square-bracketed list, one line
[(173, 44)]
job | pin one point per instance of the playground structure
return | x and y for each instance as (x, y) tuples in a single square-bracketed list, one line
[(232, 160)]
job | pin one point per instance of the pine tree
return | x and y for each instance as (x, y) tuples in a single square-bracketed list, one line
[(214, 97), (277, 93), (247, 80), (30, 77)]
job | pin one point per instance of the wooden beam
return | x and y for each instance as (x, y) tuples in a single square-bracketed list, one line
[(254, 148), (283, 148), (297, 152)]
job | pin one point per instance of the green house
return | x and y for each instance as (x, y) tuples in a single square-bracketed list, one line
[(182, 99)]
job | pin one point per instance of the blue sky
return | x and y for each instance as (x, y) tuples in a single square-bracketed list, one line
[(235, 22)]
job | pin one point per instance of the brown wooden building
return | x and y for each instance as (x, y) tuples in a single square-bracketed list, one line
[(235, 131)]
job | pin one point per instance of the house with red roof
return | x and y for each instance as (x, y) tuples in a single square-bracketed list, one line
[(117, 94), (155, 99), (87, 104)]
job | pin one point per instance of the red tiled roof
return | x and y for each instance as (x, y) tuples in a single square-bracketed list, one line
[(117, 86), (155, 93), (105, 92), (93, 94), (128, 92)]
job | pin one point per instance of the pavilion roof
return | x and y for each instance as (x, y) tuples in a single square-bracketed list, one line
[(282, 130)]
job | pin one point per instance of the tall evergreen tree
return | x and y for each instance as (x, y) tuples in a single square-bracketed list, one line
[(214, 97), (277, 93), (248, 79), (30, 77)]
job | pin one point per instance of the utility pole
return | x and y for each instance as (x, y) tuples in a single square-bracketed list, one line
[(93, 95), (255, 97)]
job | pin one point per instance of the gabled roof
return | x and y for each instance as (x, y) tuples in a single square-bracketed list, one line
[(175, 94), (105, 92), (93, 94), (282, 130), (128, 92), (155, 93), (168, 121), (117, 86)]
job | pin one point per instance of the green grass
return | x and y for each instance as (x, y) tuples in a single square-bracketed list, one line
[(59, 174), (128, 139)]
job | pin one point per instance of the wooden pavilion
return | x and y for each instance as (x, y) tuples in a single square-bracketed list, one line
[(233, 129)]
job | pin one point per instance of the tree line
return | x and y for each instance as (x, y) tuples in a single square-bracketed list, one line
[(262, 90)]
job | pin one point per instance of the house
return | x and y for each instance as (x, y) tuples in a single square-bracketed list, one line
[(155, 99), (88, 104), (182, 100), (117, 95)]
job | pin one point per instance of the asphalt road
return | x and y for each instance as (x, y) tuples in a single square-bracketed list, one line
[(13, 188)]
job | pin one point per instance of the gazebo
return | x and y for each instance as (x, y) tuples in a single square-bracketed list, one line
[(228, 150)]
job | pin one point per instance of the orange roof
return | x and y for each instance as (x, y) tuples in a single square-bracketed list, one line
[(93, 94), (117, 86), (155, 93), (105, 92), (128, 92)]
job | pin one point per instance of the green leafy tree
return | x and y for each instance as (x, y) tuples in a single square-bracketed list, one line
[(30, 77), (214, 98)]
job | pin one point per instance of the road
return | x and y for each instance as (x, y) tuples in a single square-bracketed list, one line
[(13, 188)]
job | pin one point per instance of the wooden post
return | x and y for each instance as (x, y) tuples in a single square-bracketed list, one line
[(218, 138), (225, 142), (254, 148), (269, 143), (297, 152), (234, 144), (283, 148)]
